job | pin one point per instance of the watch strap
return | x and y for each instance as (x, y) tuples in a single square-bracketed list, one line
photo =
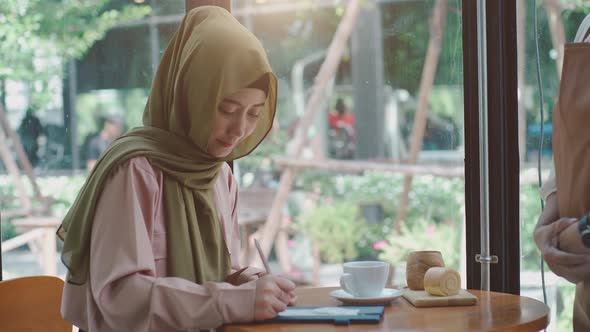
[(584, 230)]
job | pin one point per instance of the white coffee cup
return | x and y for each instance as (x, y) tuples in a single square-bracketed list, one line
[(364, 278)]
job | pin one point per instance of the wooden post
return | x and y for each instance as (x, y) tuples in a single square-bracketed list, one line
[(49, 252), (437, 25), (327, 71), (191, 4), (282, 246), (317, 264)]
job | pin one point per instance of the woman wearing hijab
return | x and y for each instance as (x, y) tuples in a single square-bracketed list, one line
[(151, 242)]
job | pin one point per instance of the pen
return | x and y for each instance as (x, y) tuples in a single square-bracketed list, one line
[(264, 261)]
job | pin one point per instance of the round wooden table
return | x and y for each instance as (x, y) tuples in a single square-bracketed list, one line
[(493, 312)]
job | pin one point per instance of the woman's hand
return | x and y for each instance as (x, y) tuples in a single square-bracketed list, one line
[(571, 266), (273, 295), (553, 233), (571, 241)]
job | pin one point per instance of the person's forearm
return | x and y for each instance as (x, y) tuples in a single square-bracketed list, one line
[(569, 241)]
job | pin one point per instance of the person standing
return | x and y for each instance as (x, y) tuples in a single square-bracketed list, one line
[(111, 129), (30, 130), (562, 233)]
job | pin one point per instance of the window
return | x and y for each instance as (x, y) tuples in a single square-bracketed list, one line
[(396, 99)]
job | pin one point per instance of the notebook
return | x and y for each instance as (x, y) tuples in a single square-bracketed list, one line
[(336, 315)]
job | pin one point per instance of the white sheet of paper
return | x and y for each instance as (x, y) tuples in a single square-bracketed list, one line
[(325, 311)]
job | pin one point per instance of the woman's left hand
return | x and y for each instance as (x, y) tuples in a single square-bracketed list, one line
[(571, 266), (245, 275)]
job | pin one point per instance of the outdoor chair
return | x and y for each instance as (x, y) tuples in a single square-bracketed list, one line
[(32, 304)]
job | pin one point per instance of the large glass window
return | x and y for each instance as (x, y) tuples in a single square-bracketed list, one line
[(381, 174)]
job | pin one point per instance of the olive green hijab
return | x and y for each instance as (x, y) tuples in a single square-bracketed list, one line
[(211, 56)]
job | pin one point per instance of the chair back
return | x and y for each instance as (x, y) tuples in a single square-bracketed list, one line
[(32, 304)]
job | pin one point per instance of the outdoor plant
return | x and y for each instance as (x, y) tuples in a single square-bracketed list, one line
[(424, 234), (438, 200), (62, 198), (334, 228)]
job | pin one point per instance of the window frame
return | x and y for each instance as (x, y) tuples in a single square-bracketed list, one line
[(503, 158)]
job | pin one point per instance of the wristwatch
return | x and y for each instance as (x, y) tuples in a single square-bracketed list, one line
[(584, 229)]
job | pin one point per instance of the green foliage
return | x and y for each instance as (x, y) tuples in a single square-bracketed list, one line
[(8, 230), (423, 234), (439, 201), (436, 208), (334, 228), (62, 189), (435, 214), (435, 198), (530, 209), (69, 186), (406, 34), (39, 36), (447, 102)]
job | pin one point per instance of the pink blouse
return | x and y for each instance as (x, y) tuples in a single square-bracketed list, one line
[(128, 288)]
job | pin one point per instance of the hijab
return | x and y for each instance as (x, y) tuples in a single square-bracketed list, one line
[(210, 56)]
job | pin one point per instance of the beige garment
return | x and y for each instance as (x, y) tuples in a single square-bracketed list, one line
[(549, 187), (571, 152), (129, 288)]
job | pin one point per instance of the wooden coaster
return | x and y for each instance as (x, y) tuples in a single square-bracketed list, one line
[(421, 299)]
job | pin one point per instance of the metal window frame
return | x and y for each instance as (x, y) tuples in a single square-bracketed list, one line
[(503, 158)]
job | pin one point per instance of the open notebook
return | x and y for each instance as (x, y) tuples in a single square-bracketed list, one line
[(335, 315)]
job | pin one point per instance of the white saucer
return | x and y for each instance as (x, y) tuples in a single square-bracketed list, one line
[(388, 295)]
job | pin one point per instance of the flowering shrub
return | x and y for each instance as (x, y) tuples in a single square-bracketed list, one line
[(422, 234)]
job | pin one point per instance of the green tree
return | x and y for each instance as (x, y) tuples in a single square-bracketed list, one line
[(38, 37)]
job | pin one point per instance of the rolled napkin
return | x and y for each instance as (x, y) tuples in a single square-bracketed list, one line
[(442, 281)]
